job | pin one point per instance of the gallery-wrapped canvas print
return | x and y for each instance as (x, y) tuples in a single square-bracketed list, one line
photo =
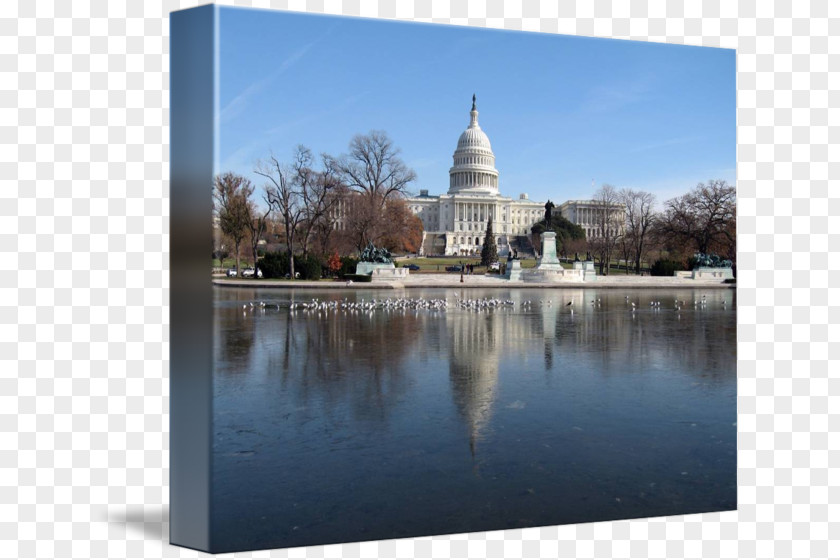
[(459, 279)]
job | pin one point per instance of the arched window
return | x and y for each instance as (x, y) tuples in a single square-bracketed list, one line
[(476, 241)]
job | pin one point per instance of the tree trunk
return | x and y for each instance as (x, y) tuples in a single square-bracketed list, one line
[(236, 245), (290, 240), (306, 243)]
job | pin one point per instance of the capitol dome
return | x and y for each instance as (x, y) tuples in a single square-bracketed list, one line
[(474, 139), (473, 163)]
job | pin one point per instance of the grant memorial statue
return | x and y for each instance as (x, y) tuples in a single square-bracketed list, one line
[(378, 263)]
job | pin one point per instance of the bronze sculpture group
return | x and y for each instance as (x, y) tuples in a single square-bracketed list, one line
[(374, 255), (711, 261)]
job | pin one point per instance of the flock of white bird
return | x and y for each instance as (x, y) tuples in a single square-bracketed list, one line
[(478, 304)]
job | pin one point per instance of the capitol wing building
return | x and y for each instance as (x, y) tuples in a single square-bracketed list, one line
[(455, 223)]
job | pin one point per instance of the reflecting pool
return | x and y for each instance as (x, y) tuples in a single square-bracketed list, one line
[(342, 425)]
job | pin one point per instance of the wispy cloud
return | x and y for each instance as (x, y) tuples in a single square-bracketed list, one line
[(663, 144), (245, 157), (608, 98), (338, 108), (238, 104)]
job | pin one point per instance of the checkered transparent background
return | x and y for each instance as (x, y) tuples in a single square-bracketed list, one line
[(84, 241)]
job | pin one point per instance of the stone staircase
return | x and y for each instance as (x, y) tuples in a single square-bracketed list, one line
[(434, 244), (522, 245)]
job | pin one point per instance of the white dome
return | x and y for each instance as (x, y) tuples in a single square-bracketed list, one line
[(473, 139), (473, 163)]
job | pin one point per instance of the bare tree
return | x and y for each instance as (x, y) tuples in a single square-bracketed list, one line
[(364, 219), (375, 175), (231, 204), (640, 219), (316, 188), (374, 168), (609, 221), (257, 226), (625, 247), (703, 218), (330, 220), (282, 196)]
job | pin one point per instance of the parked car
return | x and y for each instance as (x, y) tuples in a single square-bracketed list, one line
[(411, 266), (454, 268), (231, 272), (249, 273)]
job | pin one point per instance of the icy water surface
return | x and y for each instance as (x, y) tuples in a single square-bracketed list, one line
[(338, 426)]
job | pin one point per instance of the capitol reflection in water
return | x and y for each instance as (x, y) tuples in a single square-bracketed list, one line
[(339, 426)]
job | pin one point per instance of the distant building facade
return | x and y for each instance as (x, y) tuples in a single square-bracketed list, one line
[(588, 214)]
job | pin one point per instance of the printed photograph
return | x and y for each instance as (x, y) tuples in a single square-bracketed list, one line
[(466, 280)]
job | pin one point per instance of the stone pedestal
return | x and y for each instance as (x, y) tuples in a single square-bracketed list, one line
[(549, 269), (513, 270), (548, 260), (708, 272), (382, 272), (589, 273), (369, 267), (548, 275)]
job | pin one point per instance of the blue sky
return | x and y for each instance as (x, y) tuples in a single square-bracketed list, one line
[(560, 111)]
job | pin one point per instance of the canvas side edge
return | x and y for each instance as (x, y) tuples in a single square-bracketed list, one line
[(192, 142)]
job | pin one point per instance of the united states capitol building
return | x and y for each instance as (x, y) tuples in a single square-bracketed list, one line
[(455, 223)]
